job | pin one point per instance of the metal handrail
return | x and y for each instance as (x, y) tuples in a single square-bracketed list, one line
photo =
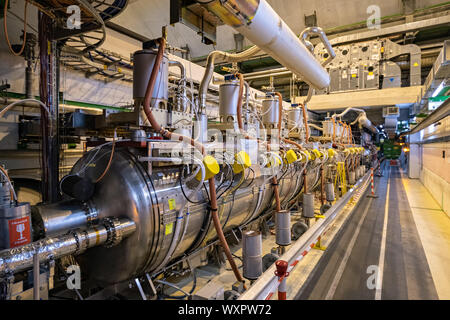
[(268, 282)]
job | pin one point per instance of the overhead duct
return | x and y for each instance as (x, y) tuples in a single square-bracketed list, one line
[(258, 22)]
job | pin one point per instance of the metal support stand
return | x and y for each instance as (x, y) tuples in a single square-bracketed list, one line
[(36, 275), (318, 245), (141, 291)]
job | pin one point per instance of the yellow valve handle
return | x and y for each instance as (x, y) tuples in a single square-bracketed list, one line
[(241, 161), (211, 167)]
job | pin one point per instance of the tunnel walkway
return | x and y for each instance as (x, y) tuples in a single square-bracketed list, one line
[(371, 250)]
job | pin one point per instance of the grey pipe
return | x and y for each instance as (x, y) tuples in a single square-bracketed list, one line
[(181, 100), (57, 218), (209, 70), (110, 233), (323, 37)]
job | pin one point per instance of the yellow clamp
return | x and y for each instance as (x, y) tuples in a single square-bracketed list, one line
[(241, 161), (316, 154), (273, 161), (308, 156), (211, 167), (331, 153), (291, 156)]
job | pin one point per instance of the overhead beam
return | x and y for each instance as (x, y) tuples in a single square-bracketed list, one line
[(390, 31), (368, 98)]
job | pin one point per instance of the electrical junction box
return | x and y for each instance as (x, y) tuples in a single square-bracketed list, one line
[(212, 291), (391, 112)]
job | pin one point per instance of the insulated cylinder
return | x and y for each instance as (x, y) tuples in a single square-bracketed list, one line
[(327, 128), (283, 228), (252, 254), (329, 192), (270, 112), (201, 128), (352, 177), (228, 100), (295, 118), (143, 63), (357, 173), (308, 205)]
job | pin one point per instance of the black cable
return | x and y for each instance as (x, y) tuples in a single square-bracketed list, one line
[(223, 181), (194, 285), (253, 178), (229, 186), (207, 193), (182, 190)]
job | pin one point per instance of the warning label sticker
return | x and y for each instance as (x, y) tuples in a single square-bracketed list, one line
[(19, 232)]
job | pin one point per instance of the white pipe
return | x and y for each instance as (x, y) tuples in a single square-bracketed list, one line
[(315, 127), (346, 111), (209, 69), (269, 32)]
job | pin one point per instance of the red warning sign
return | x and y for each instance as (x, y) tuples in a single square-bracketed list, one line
[(19, 232)]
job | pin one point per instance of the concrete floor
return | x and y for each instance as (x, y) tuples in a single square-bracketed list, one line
[(433, 226), (409, 249)]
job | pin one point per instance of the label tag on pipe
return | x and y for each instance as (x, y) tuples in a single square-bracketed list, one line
[(172, 204), (169, 228)]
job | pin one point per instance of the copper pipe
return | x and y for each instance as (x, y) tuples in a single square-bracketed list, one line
[(239, 105), (110, 159), (240, 125), (11, 192), (305, 121), (199, 146), (147, 104), (219, 231), (293, 143)]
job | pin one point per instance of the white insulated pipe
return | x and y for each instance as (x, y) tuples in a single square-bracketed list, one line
[(265, 28)]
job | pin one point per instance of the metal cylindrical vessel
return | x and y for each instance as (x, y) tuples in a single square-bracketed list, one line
[(327, 126), (270, 112), (15, 225), (358, 172), (252, 254), (352, 177), (152, 200), (329, 192), (228, 100), (295, 118), (201, 128), (283, 228), (143, 63), (308, 205)]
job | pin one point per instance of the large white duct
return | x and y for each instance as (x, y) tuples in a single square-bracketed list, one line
[(259, 23)]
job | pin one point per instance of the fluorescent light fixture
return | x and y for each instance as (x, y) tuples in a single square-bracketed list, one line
[(439, 89)]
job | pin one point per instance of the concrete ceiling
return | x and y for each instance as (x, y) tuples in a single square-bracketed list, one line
[(148, 16)]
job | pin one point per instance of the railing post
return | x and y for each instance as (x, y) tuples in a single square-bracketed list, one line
[(372, 188), (282, 274)]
